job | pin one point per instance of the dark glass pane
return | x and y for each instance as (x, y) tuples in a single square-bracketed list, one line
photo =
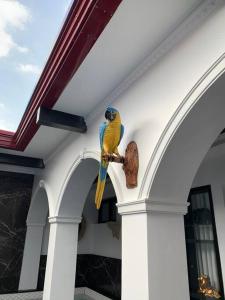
[(104, 212), (108, 211)]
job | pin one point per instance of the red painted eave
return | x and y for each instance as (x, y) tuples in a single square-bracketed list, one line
[(83, 26), (6, 139)]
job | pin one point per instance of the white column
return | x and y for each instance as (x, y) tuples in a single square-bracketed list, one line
[(154, 264), (61, 260), (31, 257)]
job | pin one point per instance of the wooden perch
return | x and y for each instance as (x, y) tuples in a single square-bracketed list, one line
[(130, 163), (113, 158)]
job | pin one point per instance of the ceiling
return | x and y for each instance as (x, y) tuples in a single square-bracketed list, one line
[(133, 33)]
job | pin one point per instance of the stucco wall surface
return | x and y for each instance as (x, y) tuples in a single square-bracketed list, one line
[(151, 109)]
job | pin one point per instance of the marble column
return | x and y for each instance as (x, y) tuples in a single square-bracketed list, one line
[(31, 257), (61, 260), (154, 264)]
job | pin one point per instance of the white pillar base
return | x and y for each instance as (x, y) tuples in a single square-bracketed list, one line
[(154, 264), (135, 283), (61, 261)]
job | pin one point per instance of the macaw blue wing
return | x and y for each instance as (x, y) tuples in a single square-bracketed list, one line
[(102, 169), (102, 132), (121, 132)]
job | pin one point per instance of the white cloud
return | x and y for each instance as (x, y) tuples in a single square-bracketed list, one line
[(29, 68), (14, 14), (2, 106), (6, 43), (22, 49)]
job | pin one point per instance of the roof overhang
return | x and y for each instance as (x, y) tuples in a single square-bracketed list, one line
[(84, 24)]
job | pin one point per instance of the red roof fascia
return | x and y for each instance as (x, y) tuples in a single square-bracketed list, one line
[(84, 24)]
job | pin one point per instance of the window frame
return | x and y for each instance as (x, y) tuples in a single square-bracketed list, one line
[(207, 189)]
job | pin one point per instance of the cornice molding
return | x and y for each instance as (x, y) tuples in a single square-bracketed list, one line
[(151, 206), (191, 22), (64, 220)]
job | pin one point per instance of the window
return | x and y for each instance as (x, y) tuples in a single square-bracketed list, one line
[(201, 242), (107, 211)]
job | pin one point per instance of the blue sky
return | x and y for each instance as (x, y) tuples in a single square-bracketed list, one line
[(28, 30)]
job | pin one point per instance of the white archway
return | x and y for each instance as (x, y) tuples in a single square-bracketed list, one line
[(39, 206), (169, 175), (76, 188), (62, 251), (36, 221), (85, 166), (186, 139)]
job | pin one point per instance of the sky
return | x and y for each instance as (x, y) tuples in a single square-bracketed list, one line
[(28, 31)]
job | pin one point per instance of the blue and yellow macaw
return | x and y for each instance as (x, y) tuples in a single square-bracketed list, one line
[(111, 133)]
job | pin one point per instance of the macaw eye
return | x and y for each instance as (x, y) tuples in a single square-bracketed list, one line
[(113, 116)]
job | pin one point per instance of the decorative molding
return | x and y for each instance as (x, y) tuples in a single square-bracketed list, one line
[(83, 26), (64, 220), (191, 22), (150, 206)]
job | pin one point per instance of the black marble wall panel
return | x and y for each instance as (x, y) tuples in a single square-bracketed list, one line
[(41, 275), (99, 273), (15, 196)]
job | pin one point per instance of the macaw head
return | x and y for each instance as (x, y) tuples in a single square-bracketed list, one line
[(111, 114)]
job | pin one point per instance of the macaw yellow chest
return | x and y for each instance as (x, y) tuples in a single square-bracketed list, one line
[(111, 137)]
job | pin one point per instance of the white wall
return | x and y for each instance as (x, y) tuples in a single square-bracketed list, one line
[(98, 238), (147, 110), (212, 172)]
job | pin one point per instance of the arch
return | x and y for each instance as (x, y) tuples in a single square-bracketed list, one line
[(186, 139), (39, 206), (36, 221), (78, 182)]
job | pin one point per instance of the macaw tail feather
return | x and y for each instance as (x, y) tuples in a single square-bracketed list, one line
[(101, 183)]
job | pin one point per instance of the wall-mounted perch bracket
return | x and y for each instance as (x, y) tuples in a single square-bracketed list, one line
[(130, 163)]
